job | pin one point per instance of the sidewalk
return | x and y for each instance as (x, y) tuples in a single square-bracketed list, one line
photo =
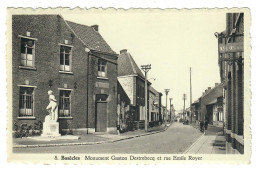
[(87, 139), (208, 143)]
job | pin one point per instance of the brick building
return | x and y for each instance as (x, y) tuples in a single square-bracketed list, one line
[(164, 113), (154, 116), (72, 60), (209, 100), (231, 65), (132, 81), (217, 112), (125, 120), (195, 109)]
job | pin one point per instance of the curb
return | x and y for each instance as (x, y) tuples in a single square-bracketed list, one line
[(194, 143), (90, 143)]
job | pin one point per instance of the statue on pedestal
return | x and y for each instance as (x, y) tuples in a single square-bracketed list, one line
[(52, 107), (51, 126)]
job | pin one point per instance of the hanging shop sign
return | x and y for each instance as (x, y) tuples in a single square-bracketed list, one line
[(231, 47)]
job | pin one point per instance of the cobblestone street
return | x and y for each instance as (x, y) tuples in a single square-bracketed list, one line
[(175, 140)]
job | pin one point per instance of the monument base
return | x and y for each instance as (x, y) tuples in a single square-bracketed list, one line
[(50, 129)]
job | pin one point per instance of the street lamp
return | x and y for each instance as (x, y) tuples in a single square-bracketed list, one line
[(166, 93), (145, 68)]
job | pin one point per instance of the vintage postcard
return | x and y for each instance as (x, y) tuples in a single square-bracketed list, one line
[(131, 86)]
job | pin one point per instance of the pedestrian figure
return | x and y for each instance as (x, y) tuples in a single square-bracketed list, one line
[(201, 126), (206, 124)]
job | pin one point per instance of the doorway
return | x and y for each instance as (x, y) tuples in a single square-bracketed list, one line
[(101, 113)]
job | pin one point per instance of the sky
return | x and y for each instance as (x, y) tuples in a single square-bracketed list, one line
[(171, 41)]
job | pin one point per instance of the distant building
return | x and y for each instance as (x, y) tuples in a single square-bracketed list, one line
[(154, 107), (218, 117), (187, 114), (208, 101), (172, 111), (195, 111)]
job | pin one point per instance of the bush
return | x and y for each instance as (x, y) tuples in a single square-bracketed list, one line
[(25, 130)]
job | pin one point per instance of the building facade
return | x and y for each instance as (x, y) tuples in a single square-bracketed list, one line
[(208, 101), (164, 113), (72, 60), (125, 120), (195, 109), (217, 112), (154, 107), (132, 81), (231, 65)]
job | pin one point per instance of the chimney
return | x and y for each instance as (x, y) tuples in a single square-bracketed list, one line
[(95, 27), (216, 84), (123, 51), (209, 88)]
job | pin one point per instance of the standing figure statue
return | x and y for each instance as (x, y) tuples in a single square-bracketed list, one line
[(52, 107)]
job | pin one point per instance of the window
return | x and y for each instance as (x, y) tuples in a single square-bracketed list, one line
[(64, 103), (65, 58), (102, 68), (153, 105), (142, 93), (138, 91), (26, 102), (101, 97), (27, 52)]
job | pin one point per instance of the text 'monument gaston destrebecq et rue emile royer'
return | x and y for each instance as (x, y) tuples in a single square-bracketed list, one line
[(130, 157)]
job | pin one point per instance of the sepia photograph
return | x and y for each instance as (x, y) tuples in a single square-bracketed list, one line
[(128, 86)]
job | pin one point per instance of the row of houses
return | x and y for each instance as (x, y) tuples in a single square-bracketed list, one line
[(209, 107), (223, 105), (97, 90)]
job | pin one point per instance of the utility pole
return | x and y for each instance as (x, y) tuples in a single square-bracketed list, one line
[(166, 93), (184, 98), (170, 109), (145, 68), (190, 98)]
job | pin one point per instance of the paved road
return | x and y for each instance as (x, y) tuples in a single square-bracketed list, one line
[(175, 140)]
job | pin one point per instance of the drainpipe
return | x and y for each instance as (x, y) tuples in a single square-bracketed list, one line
[(88, 60)]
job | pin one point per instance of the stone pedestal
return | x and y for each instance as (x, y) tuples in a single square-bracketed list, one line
[(50, 129)]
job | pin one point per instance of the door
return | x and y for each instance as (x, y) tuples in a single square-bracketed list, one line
[(101, 115), (101, 120)]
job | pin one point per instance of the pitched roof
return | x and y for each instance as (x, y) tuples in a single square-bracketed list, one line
[(127, 66), (213, 94), (91, 38), (153, 90)]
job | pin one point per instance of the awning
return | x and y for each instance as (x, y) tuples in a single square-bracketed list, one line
[(212, 102)]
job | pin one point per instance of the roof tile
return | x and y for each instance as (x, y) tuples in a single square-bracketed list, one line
[(127, 66), (91, 38)]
